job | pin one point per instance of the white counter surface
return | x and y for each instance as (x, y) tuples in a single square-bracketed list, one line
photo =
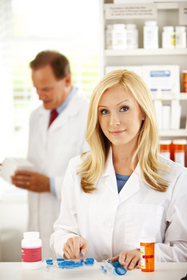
[(163, 271)]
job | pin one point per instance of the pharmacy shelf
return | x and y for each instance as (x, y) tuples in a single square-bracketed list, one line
[(173, 133), (170, 96), (145, 52)]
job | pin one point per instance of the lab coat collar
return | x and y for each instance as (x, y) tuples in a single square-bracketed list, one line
[(71, 110), (131, 186)]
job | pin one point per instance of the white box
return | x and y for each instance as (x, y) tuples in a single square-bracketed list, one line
[(175, 114), (10, 165), (135, 69), (164, 78), (166, 117), (158, 110)]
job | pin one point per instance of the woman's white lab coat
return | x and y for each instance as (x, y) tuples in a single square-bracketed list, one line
[(112, 222), (50, 151)]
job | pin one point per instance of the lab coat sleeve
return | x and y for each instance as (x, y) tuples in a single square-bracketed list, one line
[(66, 225), (174, 247)]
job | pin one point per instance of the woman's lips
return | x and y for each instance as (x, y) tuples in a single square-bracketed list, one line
[(117, 132)]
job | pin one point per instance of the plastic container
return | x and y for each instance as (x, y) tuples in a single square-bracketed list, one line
[(180, 37), (168, 37), (147, 251), (184, 73), (132, 36), (31, 249), (108, 36), (119, 37), (179, 147), (165, 148), (150, 32)]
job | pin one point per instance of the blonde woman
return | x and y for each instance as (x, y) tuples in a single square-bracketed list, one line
[(123, 188)]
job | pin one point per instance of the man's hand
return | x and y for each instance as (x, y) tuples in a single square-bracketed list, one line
[(129, 259), (31, 181)]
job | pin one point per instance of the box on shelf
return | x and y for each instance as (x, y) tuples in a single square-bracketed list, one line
[(10, 165), (135, 69), (163, 78)]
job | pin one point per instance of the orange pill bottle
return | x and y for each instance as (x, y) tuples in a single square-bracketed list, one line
[(147, 251), (184, 80), (165, 148), (179, 147)]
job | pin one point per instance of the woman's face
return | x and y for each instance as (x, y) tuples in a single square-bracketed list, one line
[(120, 116)]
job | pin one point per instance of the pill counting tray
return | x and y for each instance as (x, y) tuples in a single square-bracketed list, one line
[(73, 265)]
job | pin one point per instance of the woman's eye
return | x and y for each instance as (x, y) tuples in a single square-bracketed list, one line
[(104, 112), (124, 109)]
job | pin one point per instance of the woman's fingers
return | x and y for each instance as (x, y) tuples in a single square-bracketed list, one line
[(73, 246)]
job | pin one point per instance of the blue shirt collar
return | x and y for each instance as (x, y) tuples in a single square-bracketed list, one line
[(65, 103)]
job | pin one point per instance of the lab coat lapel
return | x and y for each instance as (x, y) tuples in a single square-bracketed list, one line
[(109, 173), (132, 185), (44, 123)]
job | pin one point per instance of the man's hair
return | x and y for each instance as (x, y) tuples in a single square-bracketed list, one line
[(56, 60)]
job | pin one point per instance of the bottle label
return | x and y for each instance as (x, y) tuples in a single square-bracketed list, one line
[(180, 157), (142, 252), (31, 254)]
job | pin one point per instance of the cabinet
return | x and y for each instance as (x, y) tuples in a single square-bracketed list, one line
[(167, 15)]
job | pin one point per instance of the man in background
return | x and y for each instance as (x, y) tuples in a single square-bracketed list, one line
[(57, 133)]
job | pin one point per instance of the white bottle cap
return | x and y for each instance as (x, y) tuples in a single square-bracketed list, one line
[(184, 71), (119, 26), (180, 28), (31, 235), (151, 23), (168, 28), (131, 26), (179, 142), (147, 239), (165, 142)]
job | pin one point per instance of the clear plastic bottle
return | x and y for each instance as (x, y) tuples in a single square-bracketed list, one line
[(119, 37), (168, 37), (150, 32), (108, 36), (132, 36), (31, 249), (180, 37)]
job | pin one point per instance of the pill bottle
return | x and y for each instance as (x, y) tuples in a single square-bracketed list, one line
[(108, 36), (180, 37), (31, 249), (184, 74), (165, 148), (179, 147), (147, 252), (168, 37), (132, 36), (119, 37), (150, 35)]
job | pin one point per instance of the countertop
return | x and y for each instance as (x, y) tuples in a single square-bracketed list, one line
[(163, 271)]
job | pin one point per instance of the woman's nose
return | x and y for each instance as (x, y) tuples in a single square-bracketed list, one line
[(114, 119)]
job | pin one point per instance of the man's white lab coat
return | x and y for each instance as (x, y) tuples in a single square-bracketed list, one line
[(50, 150), (112, 222)]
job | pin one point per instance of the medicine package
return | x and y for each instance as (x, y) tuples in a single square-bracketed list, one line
[(158, 78), (10, 165)]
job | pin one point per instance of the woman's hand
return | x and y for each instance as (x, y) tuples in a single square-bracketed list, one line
[(129, 259), (74, 246)]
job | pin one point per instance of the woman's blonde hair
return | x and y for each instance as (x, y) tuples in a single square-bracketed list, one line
[(93, 163)]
